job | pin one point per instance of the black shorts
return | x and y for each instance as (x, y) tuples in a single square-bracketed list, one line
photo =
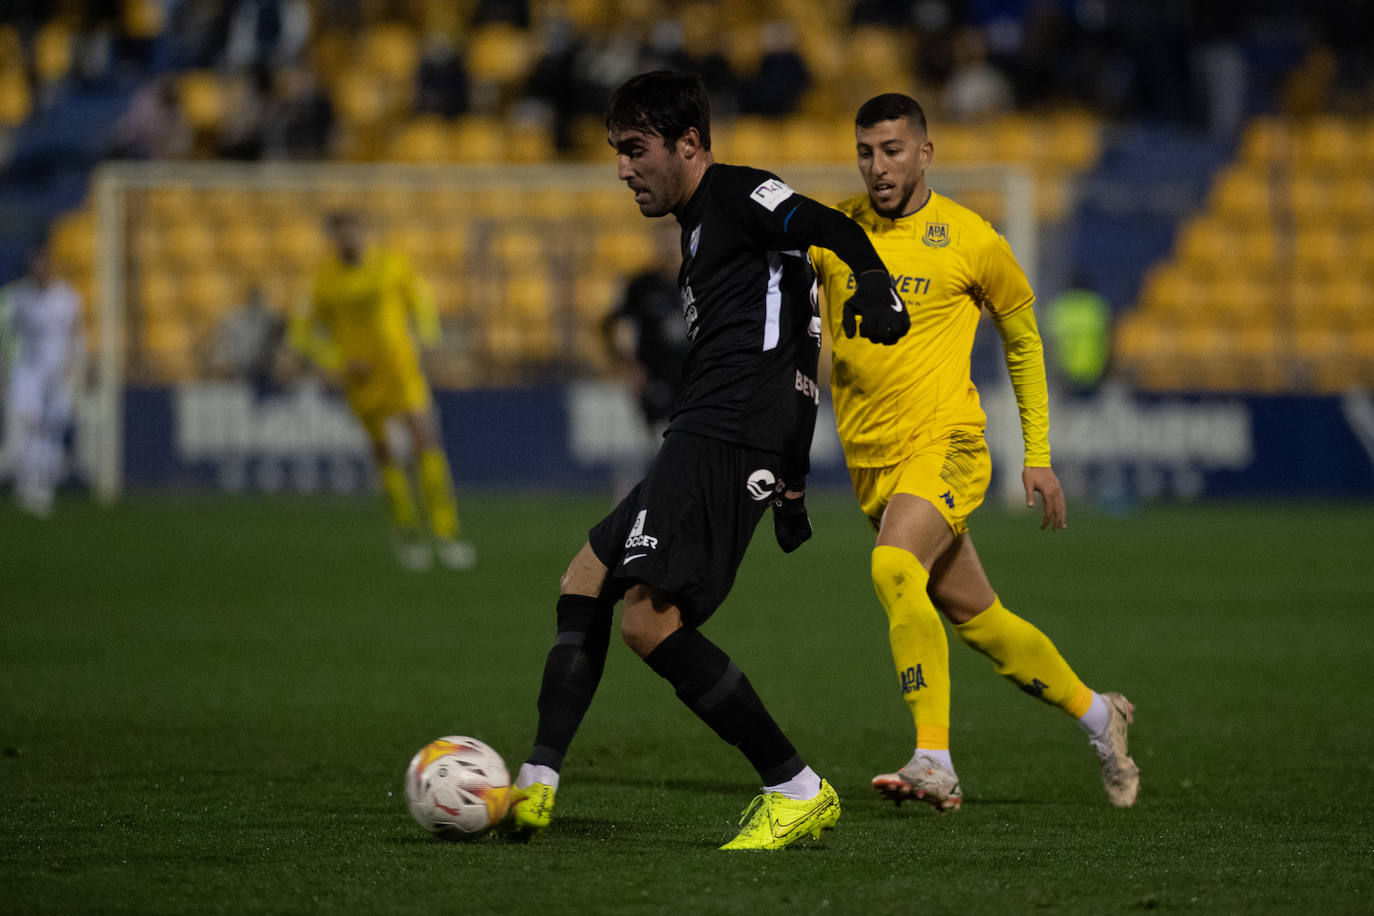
[(685, 527)]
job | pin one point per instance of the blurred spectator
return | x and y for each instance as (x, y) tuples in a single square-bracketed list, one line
[(442, 81), (300, 123), (45, 353), (247, 343), (268, 33), (153, 127), (1079, 322), (976, 89), (242, 129), (645, 332), (782, 78), (554, 81)]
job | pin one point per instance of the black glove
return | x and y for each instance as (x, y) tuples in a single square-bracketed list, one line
[(885, 319), (790, 523)]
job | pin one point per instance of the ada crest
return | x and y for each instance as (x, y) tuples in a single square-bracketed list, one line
[(937, 235), (761, 484)]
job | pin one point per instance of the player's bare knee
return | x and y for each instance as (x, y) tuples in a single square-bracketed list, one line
[(585, 575), (648, 619)]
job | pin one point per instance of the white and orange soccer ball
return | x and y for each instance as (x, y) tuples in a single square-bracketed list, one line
[(457, 787)]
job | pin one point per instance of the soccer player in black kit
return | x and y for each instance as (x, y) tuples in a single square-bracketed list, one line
[(738, 441)]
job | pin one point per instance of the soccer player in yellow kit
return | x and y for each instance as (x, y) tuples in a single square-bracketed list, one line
[(912, 429), (357, 329)]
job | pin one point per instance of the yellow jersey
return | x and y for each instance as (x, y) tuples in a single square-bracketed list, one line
[(948, 264), (361, 313)]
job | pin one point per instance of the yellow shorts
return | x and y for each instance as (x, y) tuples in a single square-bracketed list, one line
[(385, 395), (951, 474)]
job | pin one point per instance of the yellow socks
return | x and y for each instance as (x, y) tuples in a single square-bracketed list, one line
[(920, 649), (400, 503), (436, 487), (1026, 656)]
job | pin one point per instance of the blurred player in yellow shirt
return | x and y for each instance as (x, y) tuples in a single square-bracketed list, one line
[(912, 429), (357, 329)]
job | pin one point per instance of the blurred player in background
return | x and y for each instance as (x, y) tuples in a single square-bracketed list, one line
[(650, 310), (738, 441), (45, 350), (357, 329), (912, 429)]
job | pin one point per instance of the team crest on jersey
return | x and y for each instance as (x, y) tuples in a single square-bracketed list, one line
[(761, 484), (937, 235), (771, 193), (693, 241)]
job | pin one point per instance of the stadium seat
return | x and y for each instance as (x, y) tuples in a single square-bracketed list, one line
[(423, 139), (16, 102), (478, 138), (622, 253), (1319, 251), (1203, 245), (391, 51), (1242, 196), (1323, 144), (500, 53), (202, 99), (52, 51), (73, 240)]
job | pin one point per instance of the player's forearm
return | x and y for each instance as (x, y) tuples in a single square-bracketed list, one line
[(812, 223), (314, 346), (1025, 356)]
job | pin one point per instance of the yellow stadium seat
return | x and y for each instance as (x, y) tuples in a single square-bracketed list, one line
[(529, 141), (1266, 140), (623, 253), (1319, 250), (391, 51), (1353, 200), (1256, 250), (1242, 196), (1014, 139), (16, 103), (424, 139), (243, 243), (1075, 140), (518, 248), (754, 139), (960, 143), (1241, 300), (478, 138), (210, 293), (358, 99), (190, 244), (1323, 144), (73, 240), (1170, 290), (529, 297), (498, 52), (595, 294), (157, 295), (298, 241), (52, 51), (202, 99), (1203, 245)]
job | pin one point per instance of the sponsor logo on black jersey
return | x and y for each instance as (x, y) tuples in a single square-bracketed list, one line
[(761, 484), (637, 536)]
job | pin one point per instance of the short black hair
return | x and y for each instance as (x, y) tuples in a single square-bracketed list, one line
[(663, 102), (888, 107)]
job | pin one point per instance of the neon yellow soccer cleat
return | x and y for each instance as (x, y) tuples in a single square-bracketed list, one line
[(531, 810), (773, 821)]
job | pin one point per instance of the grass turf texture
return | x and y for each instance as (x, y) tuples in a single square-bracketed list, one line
[(207, 704)]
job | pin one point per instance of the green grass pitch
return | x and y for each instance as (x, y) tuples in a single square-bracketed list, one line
[(207, 705)]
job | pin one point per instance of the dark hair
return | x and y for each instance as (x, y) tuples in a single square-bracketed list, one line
[(663, 102), (888, 107)]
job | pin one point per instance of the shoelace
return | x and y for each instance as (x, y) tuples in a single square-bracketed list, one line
[(757, 807)]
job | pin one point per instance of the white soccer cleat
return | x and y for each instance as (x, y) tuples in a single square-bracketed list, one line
[(923, 779), (456, 554), (413, 555), (1120, 775)]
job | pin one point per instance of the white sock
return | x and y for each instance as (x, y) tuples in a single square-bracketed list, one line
[(531, 773), (1094, 722), (940, 756), (802, 787)]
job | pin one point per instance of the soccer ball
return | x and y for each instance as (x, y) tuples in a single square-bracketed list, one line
[(457, 787)]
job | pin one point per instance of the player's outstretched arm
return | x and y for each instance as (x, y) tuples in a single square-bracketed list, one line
[(875, 311), (1055, 515)]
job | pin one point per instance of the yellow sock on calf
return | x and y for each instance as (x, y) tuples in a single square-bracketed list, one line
[(920, 649), (400, 503), (1026, 656), (436, 488)]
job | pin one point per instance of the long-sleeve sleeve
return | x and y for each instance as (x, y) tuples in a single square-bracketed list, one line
[(1025, 356)]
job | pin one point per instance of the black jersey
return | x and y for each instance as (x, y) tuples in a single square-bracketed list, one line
[(749, 298)]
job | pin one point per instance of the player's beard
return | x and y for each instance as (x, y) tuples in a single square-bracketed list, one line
[(899, 209)]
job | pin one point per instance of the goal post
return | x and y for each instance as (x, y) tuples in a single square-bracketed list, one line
[(524, 261)]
